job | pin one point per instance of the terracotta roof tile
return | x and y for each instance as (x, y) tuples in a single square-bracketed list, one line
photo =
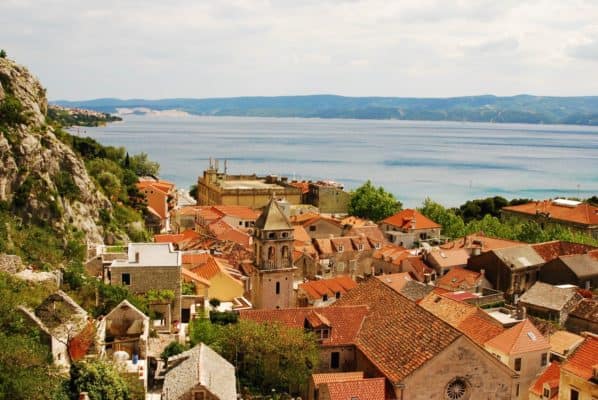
[(584, 213), (318, 379), (396, 281), (397, 335), (480, 327), (585, 357), (316, 289), (301, 218), (554, 249), (481, 241), (410, 219), (208, 269), (241, 212), (561, 342), (459, 279), (392, 254), (521, 338), (191, 276), (345, 322), (551, 376), (365, 389), (175, 237)]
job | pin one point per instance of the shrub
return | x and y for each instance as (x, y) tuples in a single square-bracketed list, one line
[(214, 302), (172, 349)]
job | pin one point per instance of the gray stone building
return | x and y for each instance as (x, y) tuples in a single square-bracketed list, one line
[(550, 302), (152, 268), (199, 374)]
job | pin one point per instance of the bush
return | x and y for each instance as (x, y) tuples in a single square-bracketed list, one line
[(224, 317), (214, 302), (172, 349), (101, 380), (11, 111)]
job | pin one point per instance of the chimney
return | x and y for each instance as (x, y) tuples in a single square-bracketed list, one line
[(137, 257), (521, 313)]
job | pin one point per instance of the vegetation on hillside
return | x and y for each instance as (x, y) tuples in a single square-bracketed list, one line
[(373, 203), (454, 226), (74, 117)]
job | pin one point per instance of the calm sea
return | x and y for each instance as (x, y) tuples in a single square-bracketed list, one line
[(447, 161)]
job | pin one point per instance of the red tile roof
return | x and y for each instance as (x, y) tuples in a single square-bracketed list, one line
[(459, 279), (302, 185), (195, 258), (583, 359), (191, 276), (241, 212), (467, 318), (316, 289), (420, 269), (584, 213), (345, 322), (208, 269), (365, 389), (480, 240), (397, 336), (480, 327), (175, 237), (551, 250), (301, 218), (551, 376), (521, 338), (318, 379), (410, 219), (395, 281), (392, 254)]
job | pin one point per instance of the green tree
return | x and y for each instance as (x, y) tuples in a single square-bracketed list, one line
[(101, 380), (452, 225), (2, 53), (193, 191), (373, 203), (143, 166), (268, 356)]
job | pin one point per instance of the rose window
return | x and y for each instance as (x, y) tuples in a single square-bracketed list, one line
[(456, 390)]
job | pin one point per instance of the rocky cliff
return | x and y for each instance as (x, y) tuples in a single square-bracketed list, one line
[(41, 179)]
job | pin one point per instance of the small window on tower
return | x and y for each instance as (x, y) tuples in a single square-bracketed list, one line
[(277, 287)]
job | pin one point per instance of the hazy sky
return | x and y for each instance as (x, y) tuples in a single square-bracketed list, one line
[(84, 49)]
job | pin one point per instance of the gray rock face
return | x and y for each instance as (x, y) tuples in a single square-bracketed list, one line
[(33, 161)]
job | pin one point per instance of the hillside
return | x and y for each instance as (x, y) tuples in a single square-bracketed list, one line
[(57, 192), (515, 109)]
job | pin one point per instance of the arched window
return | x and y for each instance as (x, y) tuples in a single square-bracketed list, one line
[(285, 252), (271, 235), (271, 253)]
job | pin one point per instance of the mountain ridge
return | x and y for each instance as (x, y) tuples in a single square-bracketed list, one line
[(523, 108)]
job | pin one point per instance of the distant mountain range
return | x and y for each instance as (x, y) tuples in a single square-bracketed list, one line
[(487, 108)]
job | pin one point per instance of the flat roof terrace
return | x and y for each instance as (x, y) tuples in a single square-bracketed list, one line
[(248, 184)]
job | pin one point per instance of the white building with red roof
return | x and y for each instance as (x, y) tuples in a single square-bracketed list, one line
[(409, 228)]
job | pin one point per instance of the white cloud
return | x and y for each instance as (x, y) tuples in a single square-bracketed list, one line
[(185, 48)]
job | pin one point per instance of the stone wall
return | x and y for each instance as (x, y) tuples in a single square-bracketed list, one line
[(11, 263), (486, 377), (144, 279)]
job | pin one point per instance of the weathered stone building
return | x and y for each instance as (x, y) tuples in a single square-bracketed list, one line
[(216, 187), (152, 267)]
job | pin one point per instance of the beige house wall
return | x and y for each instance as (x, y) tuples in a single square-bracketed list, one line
[(224, 288), (263, 289), (587, 390)]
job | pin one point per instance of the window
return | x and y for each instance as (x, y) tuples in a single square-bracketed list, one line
[(285, 234), (271, 235), (341, 248), (338, 295), (544, 360), (360, 247), (517, 390), (546, 393), (240, 223), (126, 279), (322, 333), (199, 396), (574, 395), (518, 364), (335, 359), (277, 287), (312, 228), (325, 297), (457, 389)]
